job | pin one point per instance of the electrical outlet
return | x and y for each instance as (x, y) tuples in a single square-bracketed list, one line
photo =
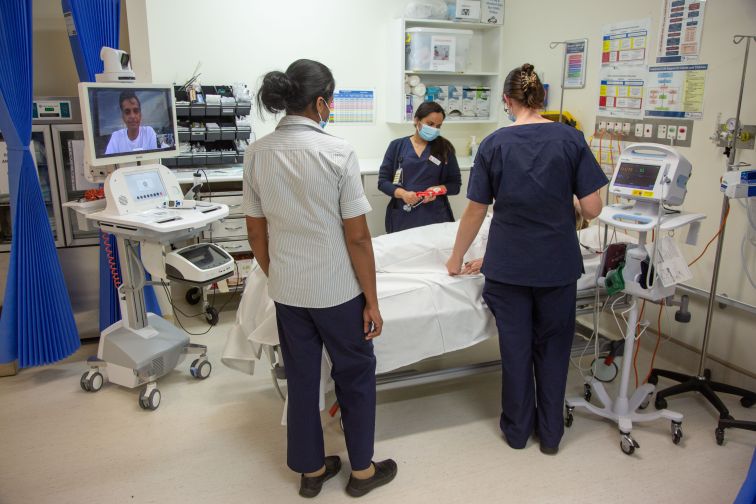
[(648, 130), (682, 133), (638, 130), (661, 131), (618, 127), (626, 128), (602, 126), (671, 132)]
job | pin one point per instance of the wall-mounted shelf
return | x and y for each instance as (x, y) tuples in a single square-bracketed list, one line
[(482, 68)]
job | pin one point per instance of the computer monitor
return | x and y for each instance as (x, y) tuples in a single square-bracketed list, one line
[(125, 123)]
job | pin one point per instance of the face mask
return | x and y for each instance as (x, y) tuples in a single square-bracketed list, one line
[(323, 123), (511, 116), (429, 133)]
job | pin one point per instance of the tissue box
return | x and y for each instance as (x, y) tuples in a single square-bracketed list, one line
[(483, 102), (454, 100), (492, 11)]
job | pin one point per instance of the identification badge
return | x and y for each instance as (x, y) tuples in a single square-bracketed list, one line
[(434, 160), (397, 176)]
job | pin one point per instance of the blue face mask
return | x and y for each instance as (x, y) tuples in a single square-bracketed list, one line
[(511, 116), (429, 133), (323, 123)]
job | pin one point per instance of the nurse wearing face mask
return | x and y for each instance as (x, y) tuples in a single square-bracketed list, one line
[(424, 161)]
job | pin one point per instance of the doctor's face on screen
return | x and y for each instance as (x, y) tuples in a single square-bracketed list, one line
[(131, 112)]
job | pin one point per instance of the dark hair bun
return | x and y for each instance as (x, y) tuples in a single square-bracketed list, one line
[(276, 90), (522, 84)]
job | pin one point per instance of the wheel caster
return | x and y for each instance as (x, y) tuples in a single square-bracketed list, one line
[(149, 401), (645, 402), (84, 382), (568, 417), (587, 394), (653, 379), (91, 381), (200, 369), (211, 315), (747, 402), (193, 295), (628, 444), (719, 433), (677, 433), (660, 402)]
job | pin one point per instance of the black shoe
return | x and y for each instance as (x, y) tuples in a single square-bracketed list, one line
[(384, 472), (311, 486), (549, 450)]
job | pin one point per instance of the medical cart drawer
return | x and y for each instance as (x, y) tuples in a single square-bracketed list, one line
[(197, 134), (213, 157), (227, 228), (184, 133), (199, 159), (234, 203), (213, 133), (243, 108), (228, 132), (235, 246), (243, 132), (228, 157), (197, 110), (184, 160)]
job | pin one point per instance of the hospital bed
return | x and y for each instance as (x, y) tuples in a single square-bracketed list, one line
[(426, 312)]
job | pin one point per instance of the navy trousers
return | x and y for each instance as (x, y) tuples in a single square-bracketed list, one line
[(302, 333), (536, 327)]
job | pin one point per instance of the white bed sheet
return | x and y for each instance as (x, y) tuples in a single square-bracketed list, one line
[(426, 312)]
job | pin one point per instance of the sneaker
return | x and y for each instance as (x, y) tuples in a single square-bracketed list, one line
[(385, 471), (311, 486)]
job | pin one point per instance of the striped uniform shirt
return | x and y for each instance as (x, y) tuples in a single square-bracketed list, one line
[(304, 181)]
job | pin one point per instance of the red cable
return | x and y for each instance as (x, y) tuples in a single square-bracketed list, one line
[(111, 260)]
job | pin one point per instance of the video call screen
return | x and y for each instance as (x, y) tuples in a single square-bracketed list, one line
[(131, 120)]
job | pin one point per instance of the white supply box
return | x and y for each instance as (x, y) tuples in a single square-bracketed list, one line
[(437, 49)]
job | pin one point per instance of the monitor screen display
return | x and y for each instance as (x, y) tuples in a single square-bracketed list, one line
[(127, 120), (204, 257), (637, 176), (146, 186)]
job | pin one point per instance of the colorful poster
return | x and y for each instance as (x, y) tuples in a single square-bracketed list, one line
[(676, 91), (621, 94), (625, 44), (574, 65), (353, 106), (681, 29)]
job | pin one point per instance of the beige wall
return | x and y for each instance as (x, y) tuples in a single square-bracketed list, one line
[(54, 68)]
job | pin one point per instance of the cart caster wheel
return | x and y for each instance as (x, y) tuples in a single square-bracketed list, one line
[(200, 369), (84, 382), (211, 315), (677, 433), (193, 295), (151, 401), (95, 381), (719, 433), (660, 403), (645, 402), (747, 402), (653, 379), (568, 416), (587, 394), (628, 444)]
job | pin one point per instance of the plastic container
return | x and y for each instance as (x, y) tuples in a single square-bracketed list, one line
[(437, 49)]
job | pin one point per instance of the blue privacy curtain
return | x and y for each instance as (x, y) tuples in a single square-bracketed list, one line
[(37, 325), (94, 24)]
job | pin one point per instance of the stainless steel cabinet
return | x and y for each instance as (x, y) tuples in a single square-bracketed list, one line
[(68, 140)]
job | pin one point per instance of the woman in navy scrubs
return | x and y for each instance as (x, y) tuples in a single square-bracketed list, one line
[(530, 172), (421, 162)]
